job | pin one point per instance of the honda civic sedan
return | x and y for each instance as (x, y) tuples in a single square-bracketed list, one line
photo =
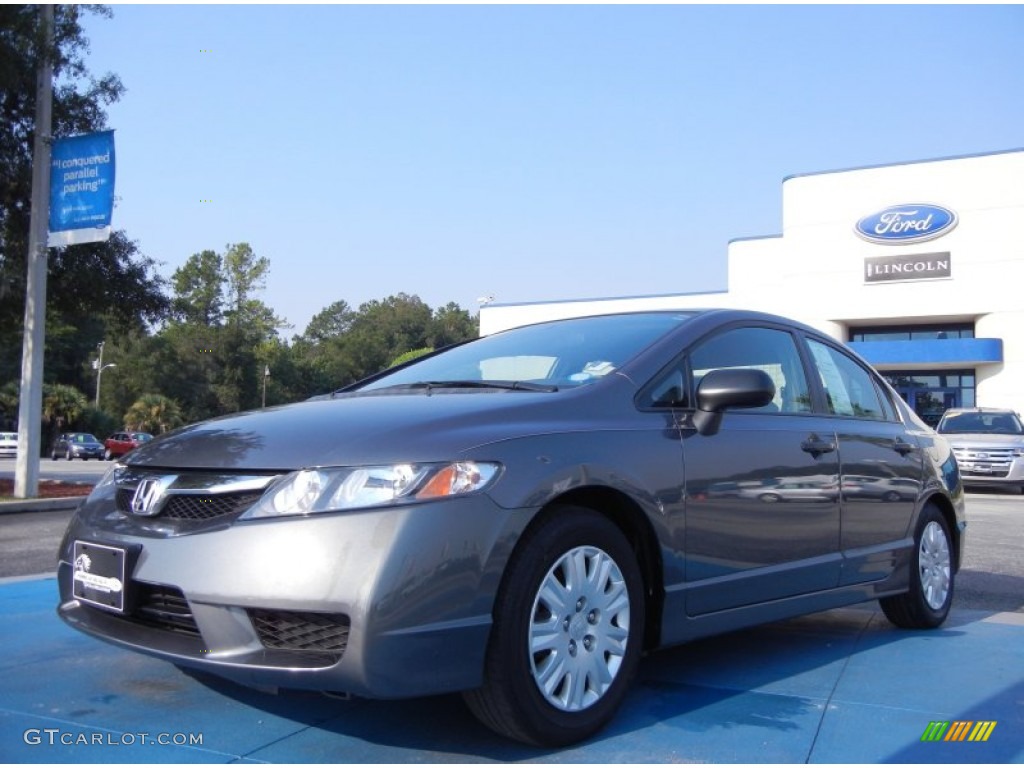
[(522, 516)]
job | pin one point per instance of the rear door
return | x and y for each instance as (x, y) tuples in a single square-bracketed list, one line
[(881, 464)]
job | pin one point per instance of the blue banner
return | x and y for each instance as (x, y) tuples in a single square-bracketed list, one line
[(81, 189)]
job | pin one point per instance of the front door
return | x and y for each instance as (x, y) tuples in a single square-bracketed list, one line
[(762, 494)]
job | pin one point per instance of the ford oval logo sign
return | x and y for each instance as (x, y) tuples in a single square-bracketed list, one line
[(909, 223)]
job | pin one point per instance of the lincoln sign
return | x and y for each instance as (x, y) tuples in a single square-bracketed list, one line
[(921, 266)]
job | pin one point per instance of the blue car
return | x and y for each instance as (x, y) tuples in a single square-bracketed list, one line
[(77, 445)]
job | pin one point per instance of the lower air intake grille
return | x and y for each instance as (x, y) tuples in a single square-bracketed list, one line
[(164, 607), (299, 631)]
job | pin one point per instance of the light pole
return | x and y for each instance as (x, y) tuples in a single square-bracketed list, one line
[(266, 375), (99, 367)]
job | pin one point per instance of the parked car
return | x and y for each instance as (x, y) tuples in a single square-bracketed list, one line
[(120, 443), (521, 516), (989, 446), (77, 445), (9, 444)]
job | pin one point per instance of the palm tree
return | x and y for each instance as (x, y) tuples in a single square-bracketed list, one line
[(62, 403), (153, 413), (9, 403)]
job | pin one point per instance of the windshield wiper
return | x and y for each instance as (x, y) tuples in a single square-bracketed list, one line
[(429, 386)]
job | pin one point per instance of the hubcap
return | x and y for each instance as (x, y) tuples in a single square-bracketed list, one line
[(935, 563), (579, 629)]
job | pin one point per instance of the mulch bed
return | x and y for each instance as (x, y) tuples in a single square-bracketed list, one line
[(48, 489)]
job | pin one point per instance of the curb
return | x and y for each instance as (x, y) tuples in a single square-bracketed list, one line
[(40, 505)]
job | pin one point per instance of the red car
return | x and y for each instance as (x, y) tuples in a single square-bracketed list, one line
[(120, 443)]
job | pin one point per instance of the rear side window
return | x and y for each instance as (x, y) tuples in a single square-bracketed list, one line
[(849, 388)]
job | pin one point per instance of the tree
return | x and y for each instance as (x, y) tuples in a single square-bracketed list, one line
[(153, 413), (452, 324), (329, 323), (199, 289), (89, 285), (62, 403), (9, 405)]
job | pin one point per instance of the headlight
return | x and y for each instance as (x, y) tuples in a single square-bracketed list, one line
[(309, 491), (107, 480)]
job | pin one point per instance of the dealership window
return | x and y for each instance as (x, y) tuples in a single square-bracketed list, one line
[(930, 393), (913, 332)]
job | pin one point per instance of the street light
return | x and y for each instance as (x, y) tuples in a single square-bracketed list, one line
[(99, 367), (99, 373)]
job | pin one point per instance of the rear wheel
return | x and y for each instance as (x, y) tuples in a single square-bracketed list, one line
[(567, 632), (926, 604), (107, 455)]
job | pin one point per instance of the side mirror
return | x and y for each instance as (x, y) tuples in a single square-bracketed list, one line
[(730, 388)]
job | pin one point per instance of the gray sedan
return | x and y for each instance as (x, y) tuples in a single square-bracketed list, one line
[(522, 516)]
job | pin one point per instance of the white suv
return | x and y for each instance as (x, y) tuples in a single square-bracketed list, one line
[(988, 444)]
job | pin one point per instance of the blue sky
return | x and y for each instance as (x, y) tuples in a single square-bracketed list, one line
[(527, 152)]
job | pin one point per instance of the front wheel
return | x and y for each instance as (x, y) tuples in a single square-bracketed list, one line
[(567, 632), (107, 455), (926, 604), (69, 455)]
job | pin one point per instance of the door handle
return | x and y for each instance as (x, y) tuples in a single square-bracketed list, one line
[(815, 446), (902, 447)]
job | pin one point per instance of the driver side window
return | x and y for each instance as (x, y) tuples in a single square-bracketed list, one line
[(765, 349)]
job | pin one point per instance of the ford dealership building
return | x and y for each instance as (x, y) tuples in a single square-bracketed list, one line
[(919, 267)]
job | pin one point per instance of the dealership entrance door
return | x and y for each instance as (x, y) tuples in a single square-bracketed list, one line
[(931, 393), (930, 404)]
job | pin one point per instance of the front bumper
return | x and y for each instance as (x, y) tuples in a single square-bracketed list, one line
[(382, 603), (990, 469)]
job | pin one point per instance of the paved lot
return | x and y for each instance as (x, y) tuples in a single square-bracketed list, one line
[(841, 686), (837, 687), (76, 471)]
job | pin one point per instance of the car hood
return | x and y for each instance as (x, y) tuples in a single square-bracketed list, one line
[(979, 439), (366, 429)]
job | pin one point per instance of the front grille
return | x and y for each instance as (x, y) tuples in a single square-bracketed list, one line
[(196, 506), (301, 631), (984, 463), (163, 607), (209, 507)]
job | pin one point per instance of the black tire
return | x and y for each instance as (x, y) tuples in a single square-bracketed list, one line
[(107, 455), (926, 604), (69, 455), (602, 615), (54, 456)]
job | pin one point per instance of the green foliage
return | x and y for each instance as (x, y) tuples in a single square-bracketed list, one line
[(199, 289), (412, 354), (62, 404), (97, 422), (9, 405), (153, 413)]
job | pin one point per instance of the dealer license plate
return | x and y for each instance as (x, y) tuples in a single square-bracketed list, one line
[(99, 575)]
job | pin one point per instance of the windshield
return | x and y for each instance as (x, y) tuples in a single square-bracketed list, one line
[(1005, 423), (568, 353)]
